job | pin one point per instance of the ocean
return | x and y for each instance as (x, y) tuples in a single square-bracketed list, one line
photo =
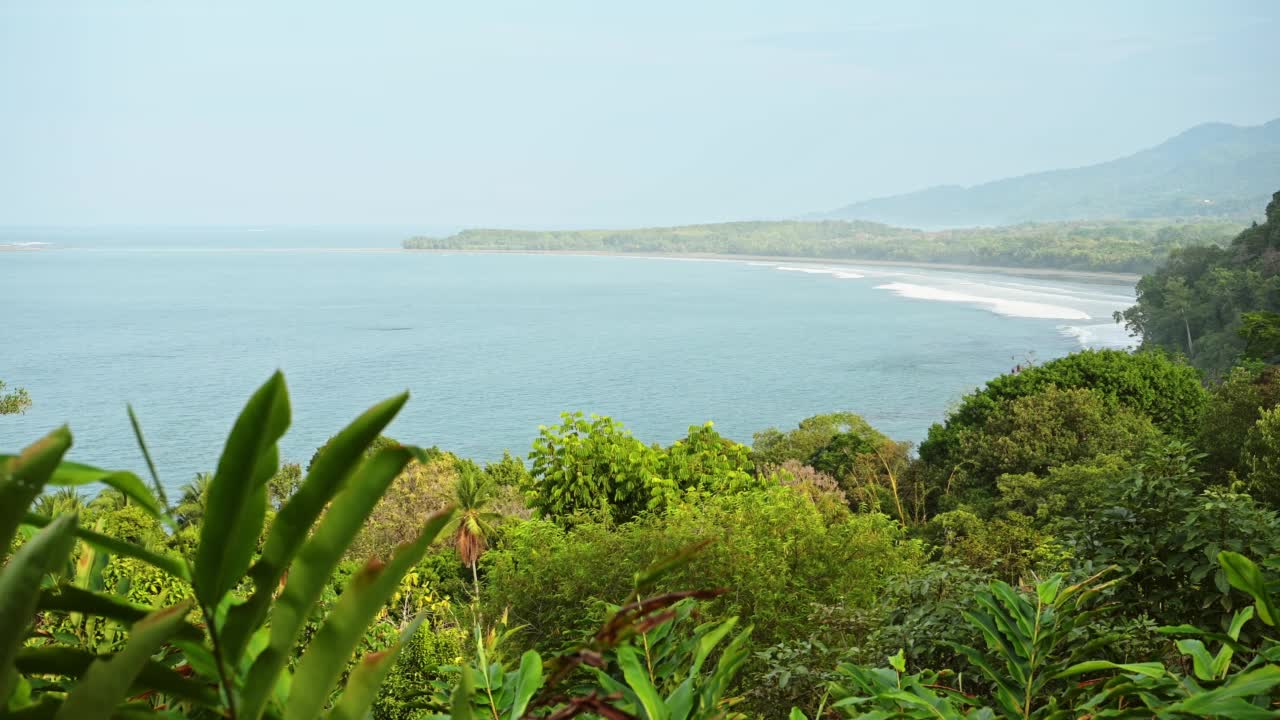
[(186, 323)]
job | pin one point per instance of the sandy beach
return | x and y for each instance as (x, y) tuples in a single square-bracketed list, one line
[(1118, 278)]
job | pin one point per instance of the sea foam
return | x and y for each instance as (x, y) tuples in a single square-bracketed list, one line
[(838, 273), (998, 305), (1106, 335)]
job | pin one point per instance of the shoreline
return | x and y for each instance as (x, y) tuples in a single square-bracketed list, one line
[(1115, 277)]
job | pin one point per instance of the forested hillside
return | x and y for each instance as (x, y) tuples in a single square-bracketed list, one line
[(1096, 536), (1211, 170), (1097, 246), (1215, 304)]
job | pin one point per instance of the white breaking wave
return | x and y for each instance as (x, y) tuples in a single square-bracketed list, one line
[(837, 273), (998, 305), (1106, 335), (1094, 295)]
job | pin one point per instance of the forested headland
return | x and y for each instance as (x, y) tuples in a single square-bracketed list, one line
[(1133, 246), (1093, 536), (1213, 303)]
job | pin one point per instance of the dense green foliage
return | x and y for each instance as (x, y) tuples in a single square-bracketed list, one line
[(1012, 426), (594, 466), (1213, 170), (1089, 536), (1097, 246), (1215, 304)]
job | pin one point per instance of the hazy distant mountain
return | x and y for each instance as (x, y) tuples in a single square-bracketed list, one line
[(1211, 170)]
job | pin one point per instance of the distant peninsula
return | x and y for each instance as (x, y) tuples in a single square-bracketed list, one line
[(1126, 246)]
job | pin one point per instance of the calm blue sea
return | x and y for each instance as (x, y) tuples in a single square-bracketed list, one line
[(184, 324)]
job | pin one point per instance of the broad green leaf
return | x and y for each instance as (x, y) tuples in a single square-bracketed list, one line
[(731, 660), (708, 641), (607, 683), (527, 683), (1019, 609), (313, 567), (1149, 669), (173, 566), (461, 700), (337, 460), (1047, 591), (906, 698), (91, 563), (20, 589), (1238, 622), (23, 477), (980, 661), (1183, 629), (796, 714), (88, 577), (898, 661), (999, 643), (72, 474), (1201, 662), (638, 680), (73, 662), (146, 455), (199, 656), (329, 650), (367, 676), (1244, 575), (1088, 585), (71, 599), (107, 681), (1229, 700), (680, 701), (237, 501)]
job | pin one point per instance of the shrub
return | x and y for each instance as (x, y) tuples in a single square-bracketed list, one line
[(1163, 532), (1051, 428), (590, 465), (1060, 497), (806, 442), (421, 666), (507, 472), (1260, 458), (1233, 409), (780, 559), (821, 489), (1010, 546), (706, 461), (420, 489), (1166, 391)]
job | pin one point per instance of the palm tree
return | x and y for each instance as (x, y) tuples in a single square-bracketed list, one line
[(192, 503), (472, 526), (59, 502), (109, 499)]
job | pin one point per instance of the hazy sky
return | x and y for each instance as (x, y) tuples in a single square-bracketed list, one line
[(547, 113)]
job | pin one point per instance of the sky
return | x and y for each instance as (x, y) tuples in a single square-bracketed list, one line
[(577, 114)]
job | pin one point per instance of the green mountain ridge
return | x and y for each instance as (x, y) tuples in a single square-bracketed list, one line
[(1214, 170)]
